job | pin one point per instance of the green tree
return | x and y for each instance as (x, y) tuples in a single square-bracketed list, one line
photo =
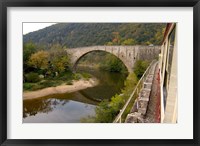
[(129, 42), (113, 64), (60, 64), (89, 34), (59, 58), (117, 38), (39, 60), (28, 49), (103, 112), (130, 83), (107, 111), (109, 43), (140, 67)]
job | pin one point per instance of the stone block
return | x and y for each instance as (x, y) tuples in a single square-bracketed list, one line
[(145, 93), (140, 120), (143, 103), (134, 108), (133, 117), (147, 85), (149, 79), (142, 110)]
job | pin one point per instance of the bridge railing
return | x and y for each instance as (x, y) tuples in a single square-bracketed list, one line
[(120, 118)]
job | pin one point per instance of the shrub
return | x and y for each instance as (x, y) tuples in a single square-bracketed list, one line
[(32, 77), (65, 76), (69, 82), (140, 67), (27, 86), (86, 76), (50, 83), (107, 110), (77, 76)]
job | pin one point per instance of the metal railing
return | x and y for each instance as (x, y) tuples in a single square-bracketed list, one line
[(134, 95)]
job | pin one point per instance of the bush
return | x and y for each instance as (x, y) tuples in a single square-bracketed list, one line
[(86, 76), (65, 76), (107, 110), (47, 84), (27, 86), (77, 76), (112, 64), (140, 67), (32, 77), (69, 82)]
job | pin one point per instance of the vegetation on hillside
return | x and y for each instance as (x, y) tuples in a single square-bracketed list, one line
[(44, 49), (44, 57), (89, 34)]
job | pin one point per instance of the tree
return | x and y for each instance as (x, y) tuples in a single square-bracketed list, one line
[(88, 34), (140, 67), (103, 112), (28, 49), (129, 42), (39, 60), (59, 59), (106, 111), (59, 64), (117, 38), (130, 83), (112, 64), (109, 43)]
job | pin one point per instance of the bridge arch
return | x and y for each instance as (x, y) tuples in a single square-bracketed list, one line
[(74, 66), (127, 54)]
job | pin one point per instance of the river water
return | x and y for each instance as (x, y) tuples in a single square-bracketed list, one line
[(72, 107)]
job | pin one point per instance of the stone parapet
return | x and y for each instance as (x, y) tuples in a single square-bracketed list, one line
[(127, 54)]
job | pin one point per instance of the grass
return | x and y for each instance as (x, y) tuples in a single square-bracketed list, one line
[(65, 78), (86, 76), (42, 84)]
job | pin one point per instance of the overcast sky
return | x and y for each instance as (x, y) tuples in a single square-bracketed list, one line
[(30, 27)]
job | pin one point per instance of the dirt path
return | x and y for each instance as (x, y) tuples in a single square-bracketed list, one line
[(77, 85)]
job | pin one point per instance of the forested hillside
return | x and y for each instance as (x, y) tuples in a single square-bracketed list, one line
[(73, 35)]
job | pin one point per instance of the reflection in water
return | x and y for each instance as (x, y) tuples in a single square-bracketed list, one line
[(59, 112), (71, 107), (110, 83)]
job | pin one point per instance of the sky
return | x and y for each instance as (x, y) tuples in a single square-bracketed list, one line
[(30, 27)]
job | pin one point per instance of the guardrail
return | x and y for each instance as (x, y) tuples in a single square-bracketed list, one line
[(134, 95)]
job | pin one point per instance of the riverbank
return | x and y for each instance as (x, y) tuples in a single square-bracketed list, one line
[(77, 85)]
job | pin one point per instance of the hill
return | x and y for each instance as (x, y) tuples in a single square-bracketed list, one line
[(87, 34)]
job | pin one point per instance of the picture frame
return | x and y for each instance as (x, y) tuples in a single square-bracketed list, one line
[(4, 4)]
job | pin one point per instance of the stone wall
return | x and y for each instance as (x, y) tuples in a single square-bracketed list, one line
[(139, 109), (127, 54)]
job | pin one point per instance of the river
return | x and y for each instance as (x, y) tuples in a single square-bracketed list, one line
[(72, 107)]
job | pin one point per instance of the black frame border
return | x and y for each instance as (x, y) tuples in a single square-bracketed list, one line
[(4, 4)]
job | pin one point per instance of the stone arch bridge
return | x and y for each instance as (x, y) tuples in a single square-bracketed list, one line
[(127, 54)]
